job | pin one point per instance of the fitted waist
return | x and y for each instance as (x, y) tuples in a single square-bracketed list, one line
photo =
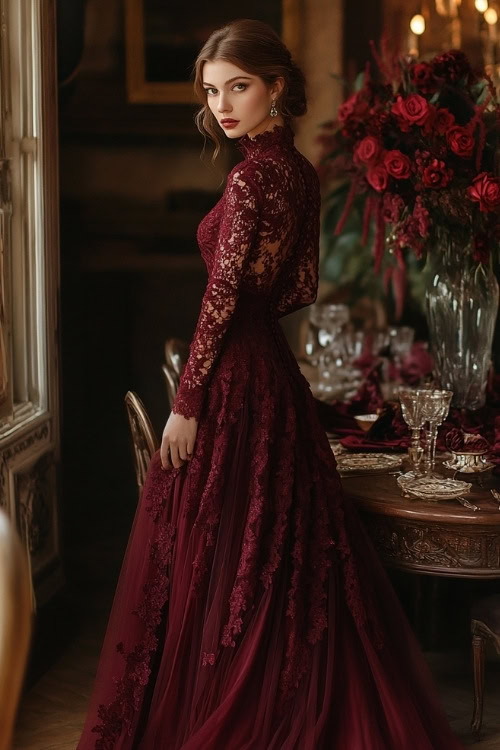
[(258, 305)]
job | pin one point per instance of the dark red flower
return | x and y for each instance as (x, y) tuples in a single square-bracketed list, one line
[(347, 108), (377, 177), (397, 164), (422, 218), (392, 208), (436, 174), (453, 66), (461, 141), (422, 77), (368, 150), (413, 109), (443, 120), (485, 190)]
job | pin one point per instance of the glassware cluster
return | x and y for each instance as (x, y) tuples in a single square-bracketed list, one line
[(334, 347), (424, 409)]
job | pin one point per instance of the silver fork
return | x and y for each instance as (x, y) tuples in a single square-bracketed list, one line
[(496, 495), (467, 504)]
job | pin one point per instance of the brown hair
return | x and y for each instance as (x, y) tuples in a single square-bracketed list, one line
[(256, 48)]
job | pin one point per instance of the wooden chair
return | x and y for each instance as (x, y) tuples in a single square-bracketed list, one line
[(176, 354), (144, 440), (15, 625), (485, 625)]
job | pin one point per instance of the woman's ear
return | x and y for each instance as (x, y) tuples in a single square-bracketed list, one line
[(277, 87)]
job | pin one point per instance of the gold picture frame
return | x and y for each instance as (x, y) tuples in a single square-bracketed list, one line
[(143, 91)]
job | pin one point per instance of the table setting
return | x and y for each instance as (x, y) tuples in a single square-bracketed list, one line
[(385, 413)]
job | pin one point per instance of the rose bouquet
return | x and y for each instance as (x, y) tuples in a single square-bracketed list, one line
[(419, 144), (418, 147)]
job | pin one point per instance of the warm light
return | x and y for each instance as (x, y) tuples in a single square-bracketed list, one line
[(417, 24), (491, 16), (481, 5)]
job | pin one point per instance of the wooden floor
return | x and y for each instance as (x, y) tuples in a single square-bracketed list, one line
[(52, 712)]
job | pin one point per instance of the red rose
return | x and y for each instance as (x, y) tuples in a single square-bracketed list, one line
[(443, 121), (485, 190), (422, 77), (377, 177), (461, 141), (414, 109), (436, 174), (347, 108), (397, 164), (368, 150)]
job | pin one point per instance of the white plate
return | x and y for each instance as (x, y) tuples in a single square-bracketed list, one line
[(350, 463), (430, 488)]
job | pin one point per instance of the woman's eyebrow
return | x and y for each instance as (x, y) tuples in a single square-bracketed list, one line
[(230, 80)]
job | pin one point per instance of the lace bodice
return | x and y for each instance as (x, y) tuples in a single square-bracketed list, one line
[(261, 238)]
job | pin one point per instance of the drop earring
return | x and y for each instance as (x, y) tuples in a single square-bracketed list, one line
[(274, 111)]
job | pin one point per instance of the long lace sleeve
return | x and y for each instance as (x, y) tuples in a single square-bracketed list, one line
[(300, 285), (237, 232)]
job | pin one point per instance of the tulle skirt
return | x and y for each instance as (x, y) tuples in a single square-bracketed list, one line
[(252, 611)]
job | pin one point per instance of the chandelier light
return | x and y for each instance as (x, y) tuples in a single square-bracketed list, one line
[(417, 24), (491, 16)]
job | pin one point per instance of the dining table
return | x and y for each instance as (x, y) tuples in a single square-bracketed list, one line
[(433, 536)]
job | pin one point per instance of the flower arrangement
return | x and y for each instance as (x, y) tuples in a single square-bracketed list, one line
[(419, 144)]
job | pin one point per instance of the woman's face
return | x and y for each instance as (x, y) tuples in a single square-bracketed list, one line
[(239, 101)]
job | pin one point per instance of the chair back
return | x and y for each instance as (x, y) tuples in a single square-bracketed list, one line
[(15, 625), (172, 383), (176, 354), (144, 440)]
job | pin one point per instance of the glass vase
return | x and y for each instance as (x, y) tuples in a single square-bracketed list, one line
[(461, 307)]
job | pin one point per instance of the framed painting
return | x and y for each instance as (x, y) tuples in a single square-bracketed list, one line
[(163, 38)]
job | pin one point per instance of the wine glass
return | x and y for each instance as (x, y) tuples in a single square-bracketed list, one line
[(436, 405), (326, 322), (313, 346), (401, 343), (380, 340), (354, 345), (411, 407)]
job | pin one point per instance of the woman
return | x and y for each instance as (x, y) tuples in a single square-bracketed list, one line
[(252, 612)]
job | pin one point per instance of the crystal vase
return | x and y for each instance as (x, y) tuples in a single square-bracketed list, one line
[(461, 306)]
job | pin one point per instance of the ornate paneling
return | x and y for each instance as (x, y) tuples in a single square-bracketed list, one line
[(435, 548)]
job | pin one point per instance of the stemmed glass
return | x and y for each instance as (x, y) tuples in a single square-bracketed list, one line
[(380, 340), (401, 343), (313, 345), (436, 405), (326, 323), (354, 344), (332, 355), (412, 402)]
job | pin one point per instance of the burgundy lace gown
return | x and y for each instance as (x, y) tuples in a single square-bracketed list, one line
[(252, 612)]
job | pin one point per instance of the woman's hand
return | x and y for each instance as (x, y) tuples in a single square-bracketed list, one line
[(177, 443)]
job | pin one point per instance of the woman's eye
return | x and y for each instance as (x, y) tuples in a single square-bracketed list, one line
[(212, 91)]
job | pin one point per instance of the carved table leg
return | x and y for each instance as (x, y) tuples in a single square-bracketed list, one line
[(478, 642)]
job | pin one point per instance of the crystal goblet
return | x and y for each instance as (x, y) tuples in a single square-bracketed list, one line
[(411, 408), (436, 405)]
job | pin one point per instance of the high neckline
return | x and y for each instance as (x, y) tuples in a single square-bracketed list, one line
[(280, 135)]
